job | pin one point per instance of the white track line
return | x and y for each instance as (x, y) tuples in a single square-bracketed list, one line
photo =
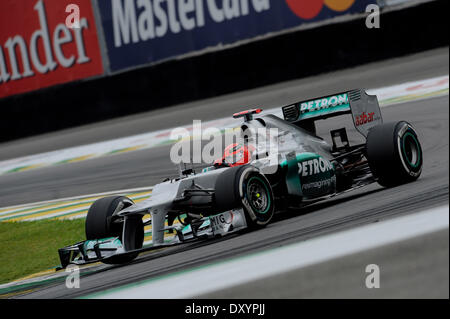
[(237, 271), (123, 191)]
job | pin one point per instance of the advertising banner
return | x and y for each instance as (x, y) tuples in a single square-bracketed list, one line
[(139, 32), (40, 48)]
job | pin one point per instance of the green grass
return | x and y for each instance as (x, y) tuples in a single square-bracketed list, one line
[(30, 247)]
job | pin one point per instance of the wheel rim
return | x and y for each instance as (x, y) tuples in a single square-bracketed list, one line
[(411, 150), (258, 195)]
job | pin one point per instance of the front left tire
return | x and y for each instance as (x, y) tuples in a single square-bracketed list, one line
[(99, 224)]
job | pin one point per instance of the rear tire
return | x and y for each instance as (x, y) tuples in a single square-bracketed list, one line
[(394, 153), (99, 225), (245, 187)]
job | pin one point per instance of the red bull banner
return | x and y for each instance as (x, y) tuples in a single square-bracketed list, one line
[(46, 42)]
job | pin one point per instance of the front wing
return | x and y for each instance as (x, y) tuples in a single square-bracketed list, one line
[(91, 251)]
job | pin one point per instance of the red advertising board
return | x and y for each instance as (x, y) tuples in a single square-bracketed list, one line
[(42, 45)]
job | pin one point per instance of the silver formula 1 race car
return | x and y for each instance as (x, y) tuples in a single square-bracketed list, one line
[(298, 168)]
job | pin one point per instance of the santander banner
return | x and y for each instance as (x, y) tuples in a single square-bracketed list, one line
[(139, 32), (38, 49)]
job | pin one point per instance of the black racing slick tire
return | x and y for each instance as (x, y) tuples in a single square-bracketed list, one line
[(245, 187), (99, 225), (394, 153)]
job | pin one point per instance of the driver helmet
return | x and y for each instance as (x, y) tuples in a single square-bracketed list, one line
[(235, 154)]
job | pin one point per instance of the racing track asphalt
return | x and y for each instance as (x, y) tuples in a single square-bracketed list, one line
[(148, 167), (370, 204)]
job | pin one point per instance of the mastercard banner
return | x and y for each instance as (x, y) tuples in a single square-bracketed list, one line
[(142, 32), (38, 48)]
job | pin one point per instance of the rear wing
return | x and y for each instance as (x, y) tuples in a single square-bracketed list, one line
[(364, 108)]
